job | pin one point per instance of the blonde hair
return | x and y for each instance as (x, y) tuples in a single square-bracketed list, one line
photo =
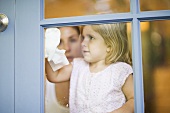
[(115, 37)]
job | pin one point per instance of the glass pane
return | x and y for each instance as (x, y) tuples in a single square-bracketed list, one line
[(156, 65), (67, 8), (150, 5), (90, 44)]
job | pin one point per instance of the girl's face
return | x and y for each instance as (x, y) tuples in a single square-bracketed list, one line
[(94, 48), (71, 42)]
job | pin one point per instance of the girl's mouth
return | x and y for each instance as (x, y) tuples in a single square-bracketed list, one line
[(85, 51)]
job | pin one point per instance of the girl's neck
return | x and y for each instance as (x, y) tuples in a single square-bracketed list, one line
[(97, 66)]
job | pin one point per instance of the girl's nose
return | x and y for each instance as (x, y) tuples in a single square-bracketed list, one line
[(84, 43)]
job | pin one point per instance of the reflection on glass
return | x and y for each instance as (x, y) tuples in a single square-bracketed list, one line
[(150, 5), (67, 8), (106, 47), (156, 65)]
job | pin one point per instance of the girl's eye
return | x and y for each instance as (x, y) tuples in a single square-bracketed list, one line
[(91, 38)]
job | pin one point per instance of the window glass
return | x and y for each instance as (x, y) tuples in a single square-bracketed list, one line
[(67, 8), (156, 65), (88, 42), (150, 5)]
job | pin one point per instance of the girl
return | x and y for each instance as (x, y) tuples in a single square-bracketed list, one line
[(102, 81)]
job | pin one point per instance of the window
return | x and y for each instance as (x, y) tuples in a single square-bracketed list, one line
[(69, 8), (141, 22)]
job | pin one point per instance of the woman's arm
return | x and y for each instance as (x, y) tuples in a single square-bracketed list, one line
[(128, 90), (61, 75)]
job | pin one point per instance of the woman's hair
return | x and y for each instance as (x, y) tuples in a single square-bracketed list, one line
[(76, 28), (115, 37)]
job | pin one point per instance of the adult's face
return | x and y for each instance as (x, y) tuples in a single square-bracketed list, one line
[(71, 42)]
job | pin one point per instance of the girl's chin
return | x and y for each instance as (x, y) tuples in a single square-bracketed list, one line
[(86, 59)]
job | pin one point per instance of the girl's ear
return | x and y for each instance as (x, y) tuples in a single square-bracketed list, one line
[(108, 49)]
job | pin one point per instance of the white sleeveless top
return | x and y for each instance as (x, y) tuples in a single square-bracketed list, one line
[(51, 103), (97, 92)]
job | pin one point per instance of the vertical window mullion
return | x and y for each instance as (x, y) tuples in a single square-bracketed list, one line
[(134, 6), (137, 57), (137, 66)]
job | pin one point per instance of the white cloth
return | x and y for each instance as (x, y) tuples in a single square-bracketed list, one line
[(97, 92), (56, 57), (52, 40), (59, 60), (51, 103)]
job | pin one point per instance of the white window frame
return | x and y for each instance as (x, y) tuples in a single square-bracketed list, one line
[(135, 16)]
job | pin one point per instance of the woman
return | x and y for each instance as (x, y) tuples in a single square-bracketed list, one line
[(57, 95)]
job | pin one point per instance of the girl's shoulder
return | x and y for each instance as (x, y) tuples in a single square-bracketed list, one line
[(121, 70), (121, 65)]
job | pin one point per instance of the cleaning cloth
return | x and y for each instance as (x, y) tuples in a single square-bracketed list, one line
[(55, 56)]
